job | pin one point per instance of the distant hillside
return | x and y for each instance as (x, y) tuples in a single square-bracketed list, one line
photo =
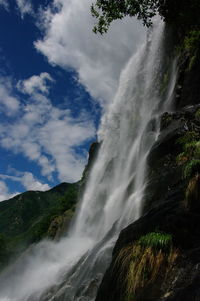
[(33, 215)]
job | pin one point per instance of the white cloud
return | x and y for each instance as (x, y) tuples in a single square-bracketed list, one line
[(30, 183), (69, 42), (27, 179), (4, 192), (4, 3), (9, 104), (48, 136), (25, 7), (36, 83)]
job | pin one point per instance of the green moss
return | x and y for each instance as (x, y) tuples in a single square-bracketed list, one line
[(192, 168), (191, 41), (192, 149), (190, 157), (181, 159), (190, 136)]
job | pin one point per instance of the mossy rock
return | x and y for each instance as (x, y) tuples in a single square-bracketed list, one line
[(59, 225)]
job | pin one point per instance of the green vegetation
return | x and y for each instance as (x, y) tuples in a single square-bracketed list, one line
[(189, 136), (26, 218), (190, 157), (183, 13), (157, 241), (108, 11), (191, 41), (33, 215), (141, 263), (192, 194), (192, 168), (197, 115)]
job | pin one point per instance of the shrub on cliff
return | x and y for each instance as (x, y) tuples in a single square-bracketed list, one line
[(141, 263), (183, 13), (190, 157)]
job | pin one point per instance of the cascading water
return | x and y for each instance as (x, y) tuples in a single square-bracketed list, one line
[(72, 268)]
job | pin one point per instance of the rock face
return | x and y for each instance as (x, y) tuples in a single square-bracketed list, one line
[(171, 207), (60, 225), (165, 169), (188, 88)]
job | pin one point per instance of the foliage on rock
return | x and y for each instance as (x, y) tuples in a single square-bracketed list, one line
[(144, 261), (190, 157), (191, 40)]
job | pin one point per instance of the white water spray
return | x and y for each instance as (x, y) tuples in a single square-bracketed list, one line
[(70, 269)]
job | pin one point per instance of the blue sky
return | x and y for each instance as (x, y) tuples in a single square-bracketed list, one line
[(56, 80)]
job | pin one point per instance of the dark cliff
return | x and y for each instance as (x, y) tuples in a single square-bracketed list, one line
[(158, 256)]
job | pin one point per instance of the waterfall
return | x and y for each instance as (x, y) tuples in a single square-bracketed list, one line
[(72, 269)]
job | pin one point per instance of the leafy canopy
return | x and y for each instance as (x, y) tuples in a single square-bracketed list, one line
[(107, 11), (182, 13)]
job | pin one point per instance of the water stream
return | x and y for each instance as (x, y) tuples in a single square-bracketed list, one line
[(72, 269)]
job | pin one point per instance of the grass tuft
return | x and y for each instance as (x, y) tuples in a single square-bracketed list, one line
[(140, 264)]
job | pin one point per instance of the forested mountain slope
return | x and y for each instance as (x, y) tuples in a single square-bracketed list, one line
[(33, 215)]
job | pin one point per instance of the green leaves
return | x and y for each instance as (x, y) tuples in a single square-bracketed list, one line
[(190, 157), (106, 11), (156, 240), (183, 13), (192, 168)]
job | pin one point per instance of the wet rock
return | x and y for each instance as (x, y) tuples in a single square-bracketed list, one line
[(172, 206), (188, 79)]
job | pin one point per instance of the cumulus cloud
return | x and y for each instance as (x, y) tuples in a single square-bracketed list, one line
[(27, 179), (48, 136), (69, 42), (25, 7), (30, 183), (4, 192), (36, 83), (9, 103)]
